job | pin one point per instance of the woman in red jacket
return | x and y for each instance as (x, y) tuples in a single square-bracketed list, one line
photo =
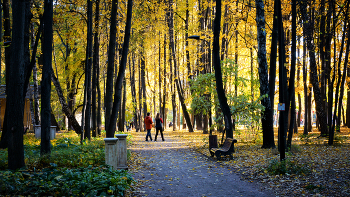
[(148, 122)]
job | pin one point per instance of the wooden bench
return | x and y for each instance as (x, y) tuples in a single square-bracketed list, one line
[(227, 149)]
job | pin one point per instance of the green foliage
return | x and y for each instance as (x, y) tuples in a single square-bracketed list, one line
[(286, 166), (72, 169), (246, 110), (202, 87), (67, 152), (54, 181)]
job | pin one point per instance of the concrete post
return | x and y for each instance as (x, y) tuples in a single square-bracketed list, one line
[(37, 131), (52, 132), (121, 152), (110, 152)]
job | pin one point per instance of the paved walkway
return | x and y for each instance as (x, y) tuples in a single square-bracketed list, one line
[(170, 168)]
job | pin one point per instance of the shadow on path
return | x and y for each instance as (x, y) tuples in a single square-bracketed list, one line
[(171, 168)]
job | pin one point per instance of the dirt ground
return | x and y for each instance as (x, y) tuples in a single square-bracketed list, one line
[(172, 168)]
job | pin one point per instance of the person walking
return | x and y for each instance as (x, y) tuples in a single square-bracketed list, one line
[(148, 122), (159, 126)]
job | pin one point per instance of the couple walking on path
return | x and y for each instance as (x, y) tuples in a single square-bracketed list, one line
[(159, 126)]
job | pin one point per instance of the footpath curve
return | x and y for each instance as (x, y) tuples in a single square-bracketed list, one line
[(171, 168)]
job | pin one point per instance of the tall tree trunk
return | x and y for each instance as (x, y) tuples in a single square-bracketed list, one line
[(110, 67), (121, 73), (298, 85), (133, 91), (160, 75), (306, 94), (218, 74), (267, 115), (46, 81), (95, 74), (273, 56), (164, 85), (123, 107), (224, 52), (141, 124), (88, 64), (292, 75), (283, 93), (15, 87), (143, 88), (340, 81), (308, 32), (173, 54), (343, 77), (309, 110), (73, 121)]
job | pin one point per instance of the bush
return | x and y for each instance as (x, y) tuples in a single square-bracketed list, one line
[(54, 181), (72, 169), (277, 167)]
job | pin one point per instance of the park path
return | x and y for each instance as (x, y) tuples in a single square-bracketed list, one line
[(171, 168)]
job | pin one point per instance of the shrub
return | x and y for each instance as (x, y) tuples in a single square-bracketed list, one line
[(277, 167), (54, 181)]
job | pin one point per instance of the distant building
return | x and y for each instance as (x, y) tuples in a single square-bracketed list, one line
[(27, 120)]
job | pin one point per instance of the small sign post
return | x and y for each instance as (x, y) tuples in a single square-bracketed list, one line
[(281, 107)]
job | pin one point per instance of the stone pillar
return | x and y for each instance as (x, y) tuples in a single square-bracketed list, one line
[(110, 152), (52, 132), (37, 131), (122, 152)]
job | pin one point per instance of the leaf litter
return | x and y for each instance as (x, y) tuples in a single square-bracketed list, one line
[(326, 169)]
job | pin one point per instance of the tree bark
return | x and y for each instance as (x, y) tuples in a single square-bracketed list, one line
[(15, 86), (308, 32), (65, 107), (340, 81), (110, 66), (121, 73), (95, 112), (267, 115), (88, 65), (143, 89), (292, 76), (133, 92), (343, 78), (218, 75), (306, 94), (173, 54), (164, 85)]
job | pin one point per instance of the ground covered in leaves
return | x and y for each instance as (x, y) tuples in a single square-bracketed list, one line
[(312, 167), (173, 168)]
